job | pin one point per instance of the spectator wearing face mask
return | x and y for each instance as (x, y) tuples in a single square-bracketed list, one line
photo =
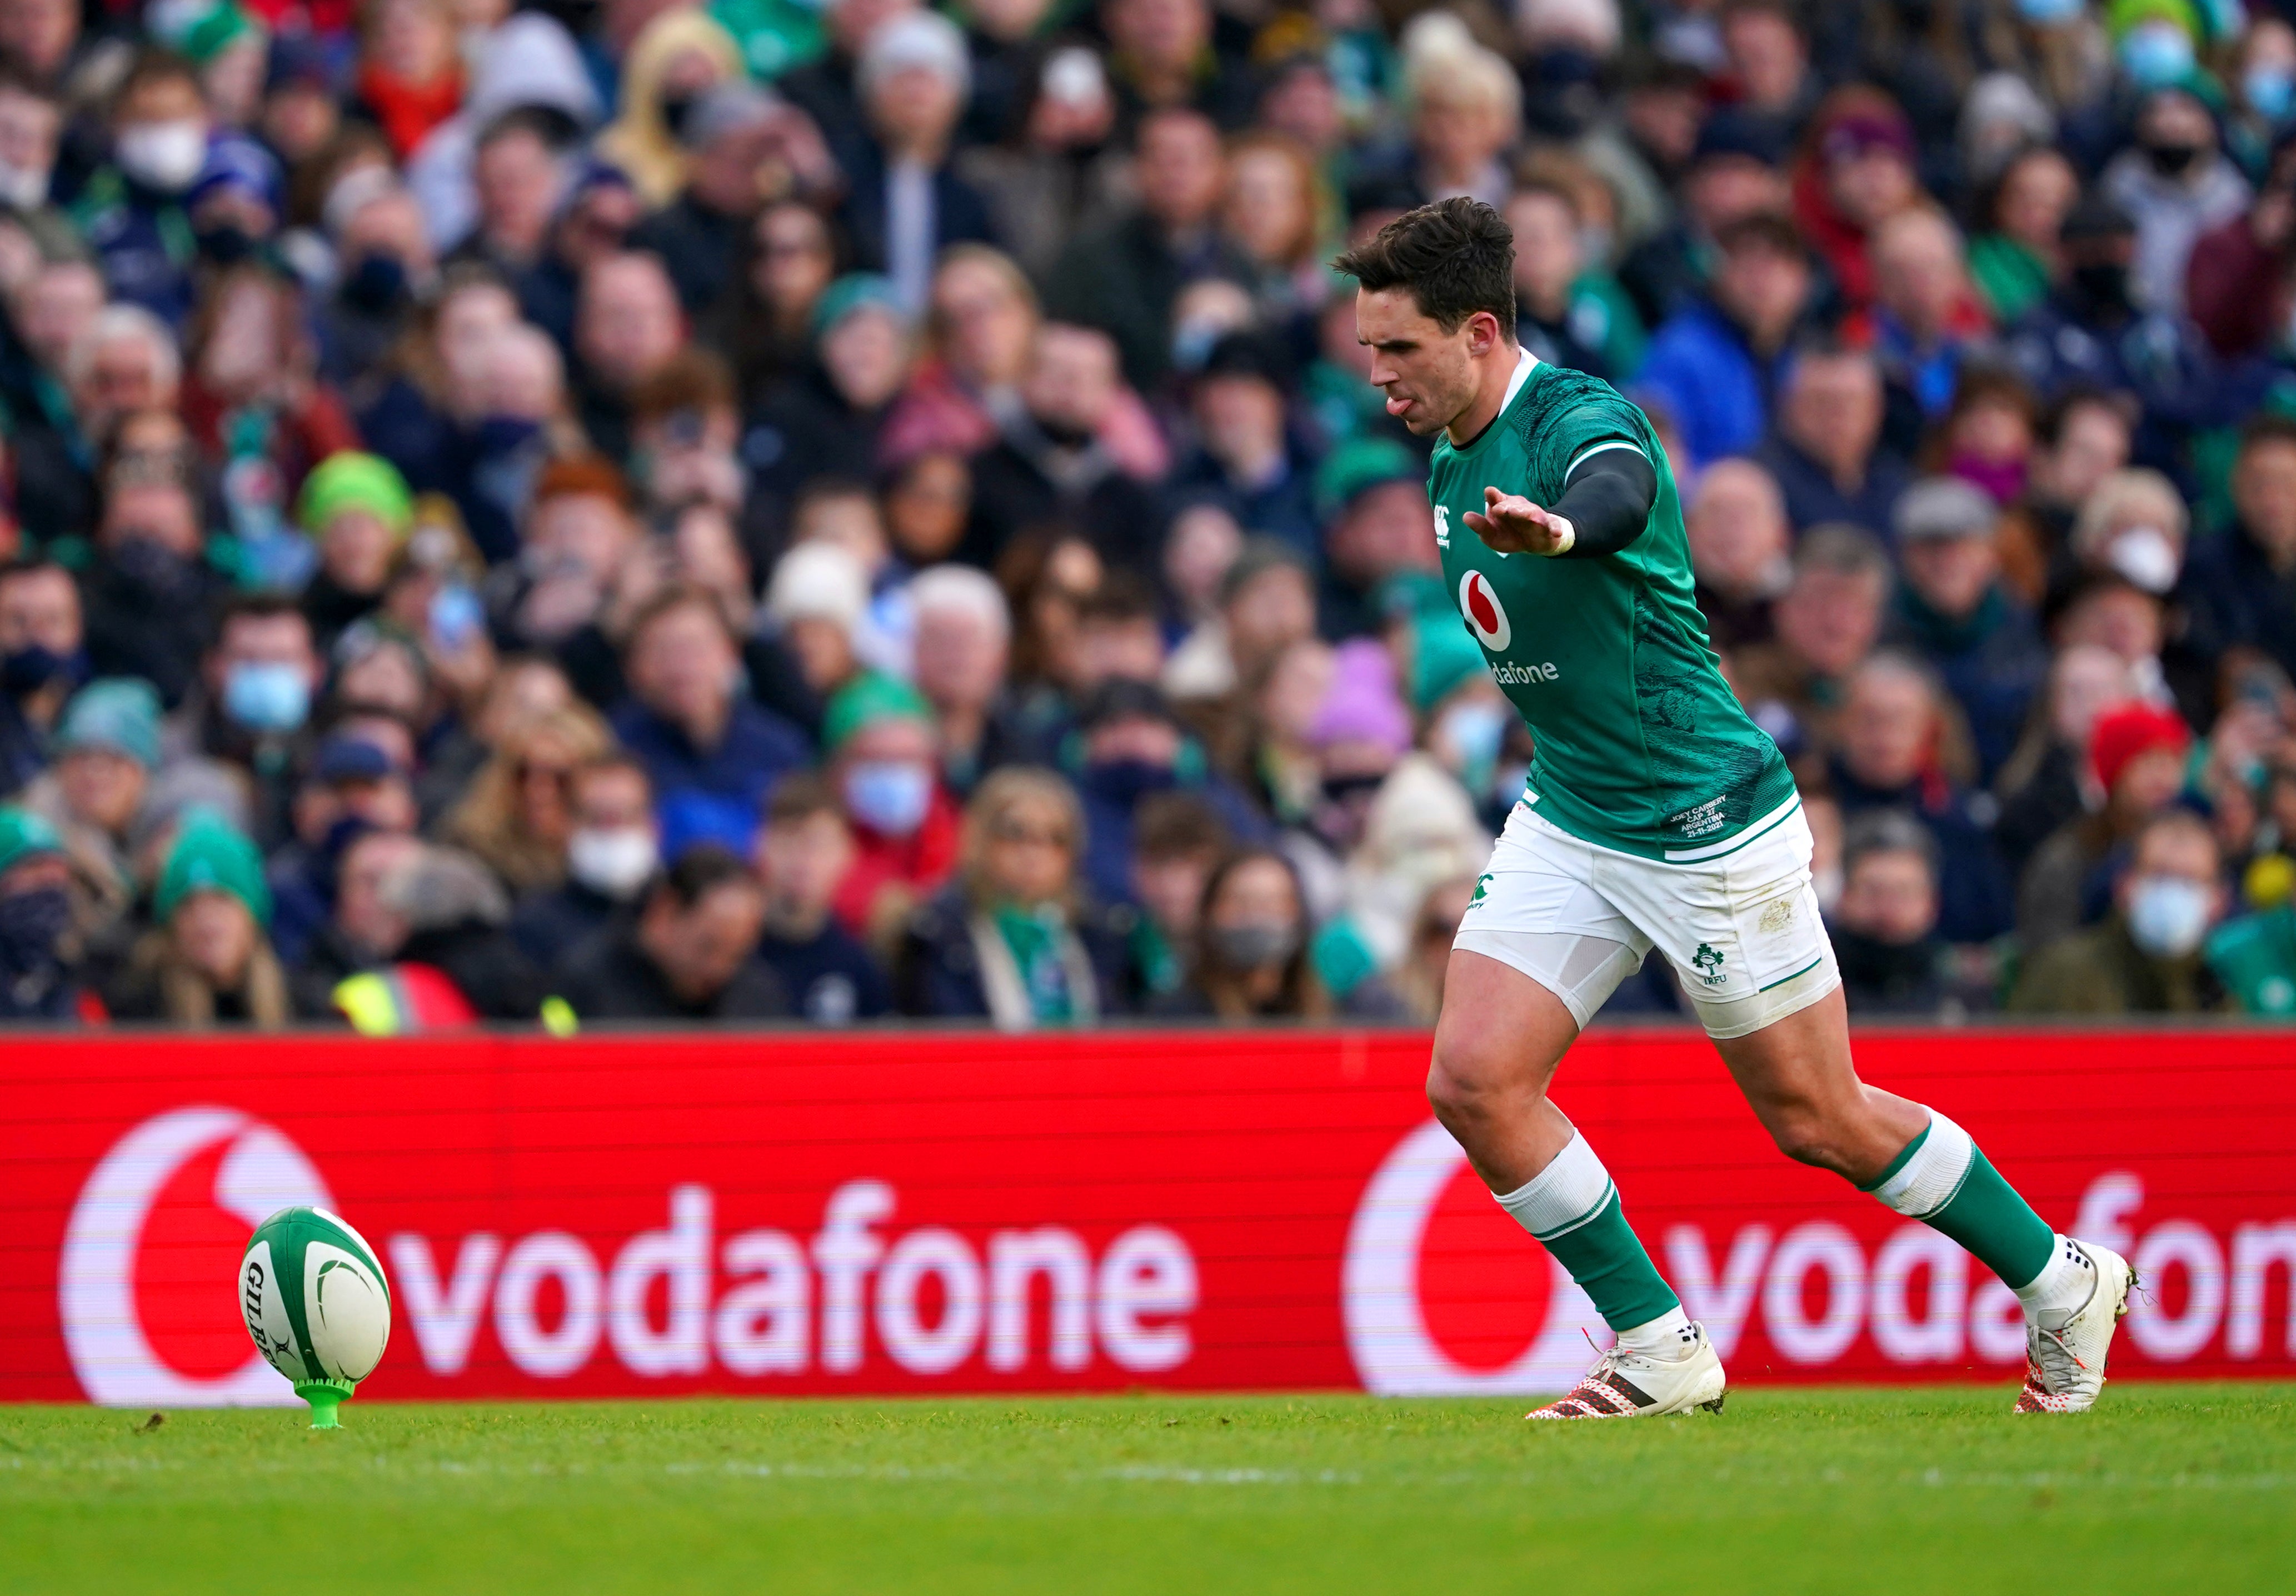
[(207, 962), (38, 983), (1051, 463), (2146, 956), (132, 207), (689, 952), (2093, 331), (805, 850), (612, 855), (1251, 959), (1016, 939), (1126, 746), (357, 510), (255, 686), (386, 267), (1884, 925), (878, 733), (154, 584), (42, 659), (2176, 184), (2136, 756), (1953, 610)]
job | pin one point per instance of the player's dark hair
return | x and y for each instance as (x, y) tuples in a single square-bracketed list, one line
[(1456, 255)]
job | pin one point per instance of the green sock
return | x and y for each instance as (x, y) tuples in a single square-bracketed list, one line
[(1606, 1258), (1944, 1180), (1574, 1209)]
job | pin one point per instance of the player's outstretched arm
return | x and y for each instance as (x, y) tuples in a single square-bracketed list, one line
[(1603, 508)]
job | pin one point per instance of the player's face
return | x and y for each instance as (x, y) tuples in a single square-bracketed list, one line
[(1427, 374)]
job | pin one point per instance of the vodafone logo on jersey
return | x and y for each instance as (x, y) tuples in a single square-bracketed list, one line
[(1423, 1314), (153, 1241), (1487, 618)]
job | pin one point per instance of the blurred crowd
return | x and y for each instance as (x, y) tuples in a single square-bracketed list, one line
[(626, 510)]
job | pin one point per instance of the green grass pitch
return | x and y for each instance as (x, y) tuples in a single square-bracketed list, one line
[(2184, 1490)]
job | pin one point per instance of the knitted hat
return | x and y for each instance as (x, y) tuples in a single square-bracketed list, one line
[(2120, 735), (209, 857), (920, 39), (866, 700), (818, 581), (348, 480), (1443, 654), (1361, 705), (1359, 465), (23, 835), (855, 290), (118, 713)]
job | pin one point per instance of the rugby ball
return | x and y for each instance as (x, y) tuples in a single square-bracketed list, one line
[(314, 1297)]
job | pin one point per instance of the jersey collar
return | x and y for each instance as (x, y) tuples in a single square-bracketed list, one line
[(1525, 363)]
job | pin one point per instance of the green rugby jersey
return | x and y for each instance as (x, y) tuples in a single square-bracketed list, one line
[(1641, 745)]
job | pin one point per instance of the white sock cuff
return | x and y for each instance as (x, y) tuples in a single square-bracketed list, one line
[(1564, 1195), (1927, 1181)]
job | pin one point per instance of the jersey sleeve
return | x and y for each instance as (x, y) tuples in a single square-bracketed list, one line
[(1585, 416)]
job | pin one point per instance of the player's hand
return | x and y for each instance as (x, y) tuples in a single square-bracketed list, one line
[(1511, 524)]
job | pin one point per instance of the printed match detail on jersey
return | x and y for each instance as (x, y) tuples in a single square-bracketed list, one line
[(1641, 745)]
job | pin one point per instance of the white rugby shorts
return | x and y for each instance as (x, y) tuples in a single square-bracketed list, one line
[(1737, 918)]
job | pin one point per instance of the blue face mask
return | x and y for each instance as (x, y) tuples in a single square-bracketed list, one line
[(2167, 915), (2155, 54), (2269, 92), (1475, 730), (267, 696), (890, 796)]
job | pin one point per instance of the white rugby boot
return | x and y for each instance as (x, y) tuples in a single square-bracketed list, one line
[(1635, 1385), (2065, 1347)]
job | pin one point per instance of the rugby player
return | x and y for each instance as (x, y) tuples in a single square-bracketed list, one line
[(1657, 814)]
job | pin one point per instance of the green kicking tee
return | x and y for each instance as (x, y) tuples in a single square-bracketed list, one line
[(1642, 747)]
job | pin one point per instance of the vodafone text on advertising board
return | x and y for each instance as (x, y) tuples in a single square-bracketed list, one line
[(788, 1213)]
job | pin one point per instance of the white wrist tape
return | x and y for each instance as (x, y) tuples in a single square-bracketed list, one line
[(1570, 536)]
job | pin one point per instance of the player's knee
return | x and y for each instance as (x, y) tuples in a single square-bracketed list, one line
[(1463, 1078), (1808, 1134)]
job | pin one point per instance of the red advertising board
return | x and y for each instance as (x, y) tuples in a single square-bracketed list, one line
[(915, 1212)]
